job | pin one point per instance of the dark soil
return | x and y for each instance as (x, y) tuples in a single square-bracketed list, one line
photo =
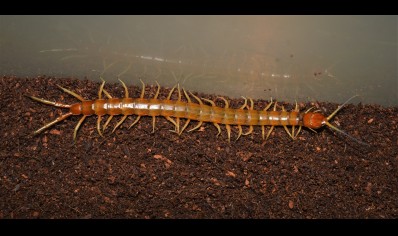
[(138, 174)]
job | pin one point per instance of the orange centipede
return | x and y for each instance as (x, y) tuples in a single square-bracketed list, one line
[(246, 115)]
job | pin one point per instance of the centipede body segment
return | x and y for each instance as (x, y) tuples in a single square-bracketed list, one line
[(199, 111)]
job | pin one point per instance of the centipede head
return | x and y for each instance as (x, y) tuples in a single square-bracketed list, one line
[(314, 120)]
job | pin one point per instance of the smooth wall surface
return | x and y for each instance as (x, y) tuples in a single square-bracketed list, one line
[(325, 58)]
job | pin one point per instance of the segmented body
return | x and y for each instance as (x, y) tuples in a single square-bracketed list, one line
[(187, 110), (200, 111)]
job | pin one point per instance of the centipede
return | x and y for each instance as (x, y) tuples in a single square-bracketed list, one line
[(202, 111)]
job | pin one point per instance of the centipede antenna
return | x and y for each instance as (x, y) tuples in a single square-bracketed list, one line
[(346, 134), (55, 104), (339, 108)]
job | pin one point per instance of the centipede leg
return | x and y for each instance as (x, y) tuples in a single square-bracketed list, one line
[(228, 127), (157, 91), (196, 127), (285, 127), (178, 118), (143, 89), (106, 123), (171, 92), (250, 130), (262, 127), (218, 128), (244, 105), (287, 131), (98, 126), (299, 129), (186, 95), (189, 120), (215, 124), (272, 127), (135, 121), (293, 127), (178, 125), (185, 125), (197, 99), (154, 117), (100, 90), (200, 103), (240, 127), (174, 123), (71, 93), (77, 127), (61, 118), (153, 123), (251, 107), (126, 91), (239, 132), (119, 123), (269, 132), (179, 92)]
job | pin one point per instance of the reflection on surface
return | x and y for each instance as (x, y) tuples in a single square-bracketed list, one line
[(290, 58)]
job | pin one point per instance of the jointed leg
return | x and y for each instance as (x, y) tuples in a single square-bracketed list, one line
[(77, 127), (61, 118)]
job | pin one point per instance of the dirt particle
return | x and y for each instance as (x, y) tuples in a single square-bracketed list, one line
[(291, 204), (230, 173), (369, 188), (55, 132), (247, 183)]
